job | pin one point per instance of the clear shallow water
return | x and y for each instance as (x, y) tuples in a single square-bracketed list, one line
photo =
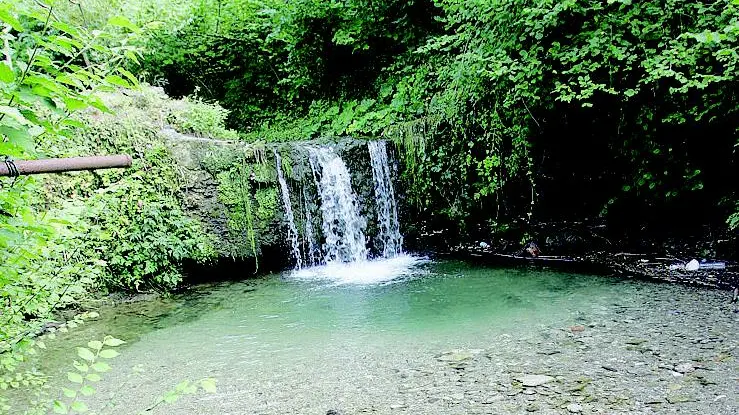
[(342, 337)]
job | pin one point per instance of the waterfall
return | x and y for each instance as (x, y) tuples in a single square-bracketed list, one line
[(292, 231), (343, 226), (387, 210), (313, 257)]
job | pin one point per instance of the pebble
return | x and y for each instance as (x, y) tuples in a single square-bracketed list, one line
[(685, 368), (534, 380), (574, 408), (673, 399)]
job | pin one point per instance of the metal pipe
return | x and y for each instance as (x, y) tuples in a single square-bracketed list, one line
[(59, 165)]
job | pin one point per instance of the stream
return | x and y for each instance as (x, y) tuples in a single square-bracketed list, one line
[(415, 336)]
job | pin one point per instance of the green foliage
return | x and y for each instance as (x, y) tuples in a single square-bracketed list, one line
[(65, 235), (191, 115), (271, 55), (186, 387), (267, 205), (733, 220), (235, 193), (135, 226), (51, 72), (87, 371), (17, 374), (487, 97)]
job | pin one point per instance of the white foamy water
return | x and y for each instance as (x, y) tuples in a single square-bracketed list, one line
[(387, 209), (343, 225), (292, 230), (362, 272)]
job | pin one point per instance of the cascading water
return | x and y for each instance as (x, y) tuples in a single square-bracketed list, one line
[(292, 230), (387, 211), (343, 226), (313, 256), (344, 249)]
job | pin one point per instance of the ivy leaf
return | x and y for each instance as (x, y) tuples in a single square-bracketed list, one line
[(69, 393), (6, 74), (86, 354)]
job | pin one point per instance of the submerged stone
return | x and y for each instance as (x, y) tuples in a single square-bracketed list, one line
[(534, 380), (574, 408)]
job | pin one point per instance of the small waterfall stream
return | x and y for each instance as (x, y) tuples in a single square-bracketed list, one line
[(313, 256), (343, 226), (387, 210), (292, 233), (341, 237)]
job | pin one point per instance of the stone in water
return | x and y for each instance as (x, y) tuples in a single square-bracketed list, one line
[(535, 380)]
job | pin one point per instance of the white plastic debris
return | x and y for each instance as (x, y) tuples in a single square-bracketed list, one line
[(693, 265)]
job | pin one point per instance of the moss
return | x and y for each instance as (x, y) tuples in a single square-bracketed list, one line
[(266, 205), (264, 173)]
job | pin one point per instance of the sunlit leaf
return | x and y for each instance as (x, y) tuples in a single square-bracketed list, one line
[(78, 406), (129, 76), (60, 407), (87, 390), (101, 367), (123, 22), (74, 104), (81, 366), (208, 385), (13, 113), (117, 80), (7, 17), (95, 345), (109, 354), (6, 74), (74, 377), (113, 342), (171, 397), (86, 354), (93, 377)]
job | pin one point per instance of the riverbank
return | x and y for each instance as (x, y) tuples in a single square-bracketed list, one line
[(447, 338), (640, 266)]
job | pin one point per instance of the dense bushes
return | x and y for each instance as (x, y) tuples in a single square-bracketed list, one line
[(527, 111)]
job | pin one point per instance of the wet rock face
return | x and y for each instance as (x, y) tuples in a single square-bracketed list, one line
[(217, 174)]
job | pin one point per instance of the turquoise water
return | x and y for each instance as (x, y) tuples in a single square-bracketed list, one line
[(264, 340)]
